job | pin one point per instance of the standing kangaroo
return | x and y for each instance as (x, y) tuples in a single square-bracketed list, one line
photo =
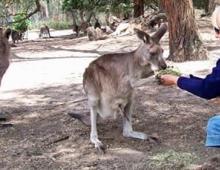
[(109, 82), (16, 36), (4, 52), (44, 32)]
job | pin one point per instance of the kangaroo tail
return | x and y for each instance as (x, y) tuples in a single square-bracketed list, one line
[(82, 117)]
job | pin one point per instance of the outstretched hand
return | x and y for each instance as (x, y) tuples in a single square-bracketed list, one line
[(168, 79)]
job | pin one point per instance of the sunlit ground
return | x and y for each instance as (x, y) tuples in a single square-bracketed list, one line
[(36, 68)]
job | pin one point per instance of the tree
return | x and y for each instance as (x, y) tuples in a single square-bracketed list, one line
[(120, 8), (8, 10), (84, 9), (211, 6), (22, 25), (138, 8), (184, 41)]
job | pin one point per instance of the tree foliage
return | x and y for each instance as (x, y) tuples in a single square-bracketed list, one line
[(201, 4), (81, 8), (19, 9), (22, 25), (76, 11)]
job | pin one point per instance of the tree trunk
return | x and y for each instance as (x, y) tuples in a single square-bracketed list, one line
[(206, 6), (161, 7), (44, 10), (81, 15), (211, 6), (184, 41), (73, 13), (107, 16), (91, 14), (138, 8)]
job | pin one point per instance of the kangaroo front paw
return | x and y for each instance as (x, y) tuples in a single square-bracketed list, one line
[(134, 134)]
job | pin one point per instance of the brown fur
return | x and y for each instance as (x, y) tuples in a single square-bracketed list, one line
[(157, 20), (84, 26), (95, 34), (44, 32), (109, 82), (16, 36), (97, 24), (4, 52), (76, 30)]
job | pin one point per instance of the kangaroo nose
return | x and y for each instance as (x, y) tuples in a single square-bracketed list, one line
[(164, 66)]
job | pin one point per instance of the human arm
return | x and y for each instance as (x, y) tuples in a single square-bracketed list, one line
[(207, 88)]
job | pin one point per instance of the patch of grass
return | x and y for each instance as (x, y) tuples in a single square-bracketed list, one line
[(171, 160)]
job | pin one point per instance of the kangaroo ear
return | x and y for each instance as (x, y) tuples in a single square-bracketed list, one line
[(159, 34), (143, 36)]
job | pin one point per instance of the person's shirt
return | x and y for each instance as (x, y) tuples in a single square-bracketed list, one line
[(207, 88)]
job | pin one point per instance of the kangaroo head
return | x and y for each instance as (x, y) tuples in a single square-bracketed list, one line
[(150, 51)]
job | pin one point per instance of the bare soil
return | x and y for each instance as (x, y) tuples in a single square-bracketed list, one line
[(45, 78)]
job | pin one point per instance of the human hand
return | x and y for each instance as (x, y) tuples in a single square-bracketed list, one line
[(168, 80), (216, 101)]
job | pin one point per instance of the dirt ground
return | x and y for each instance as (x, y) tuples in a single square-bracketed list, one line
[(42, 83)]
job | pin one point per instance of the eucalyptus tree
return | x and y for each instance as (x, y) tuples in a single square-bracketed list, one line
[(184, 40)]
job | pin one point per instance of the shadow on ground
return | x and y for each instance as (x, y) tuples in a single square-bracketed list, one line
[(43, 136)]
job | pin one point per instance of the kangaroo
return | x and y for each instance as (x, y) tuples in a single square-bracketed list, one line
[(44, 32), (95, 34), (4, 52), (16, 36), (109, 83), (84, 26), (76, 30)]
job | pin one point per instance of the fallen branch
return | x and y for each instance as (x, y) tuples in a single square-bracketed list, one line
[(79, 100), (59, 139)]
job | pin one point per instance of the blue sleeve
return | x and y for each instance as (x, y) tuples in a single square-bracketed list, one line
[(207, 88), (194, 77)]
